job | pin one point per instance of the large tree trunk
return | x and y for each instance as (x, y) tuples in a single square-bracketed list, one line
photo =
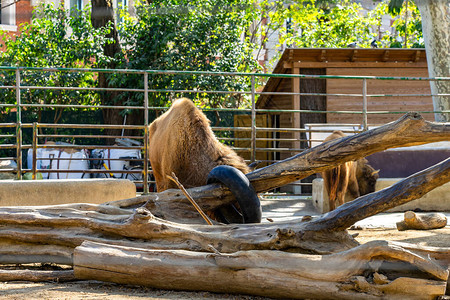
[(436, 33), (67, 226), (409, 130), (344, 275), (103, 15)]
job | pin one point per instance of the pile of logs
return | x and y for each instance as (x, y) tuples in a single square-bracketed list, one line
[(161, 241)]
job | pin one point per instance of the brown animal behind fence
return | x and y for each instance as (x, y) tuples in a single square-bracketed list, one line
[(182, 142), (355, 177)]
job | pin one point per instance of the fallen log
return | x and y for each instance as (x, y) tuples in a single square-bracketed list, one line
[(409, 130), (55, 233), (440, 255), (15, 252), (37, 275), (346, 275), (406, 190), (422, 221), (69, 227)]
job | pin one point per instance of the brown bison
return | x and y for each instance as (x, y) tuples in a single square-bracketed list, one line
[(356, 177), (181, 141)]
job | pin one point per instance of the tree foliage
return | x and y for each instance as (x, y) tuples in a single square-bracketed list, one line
[(214, 35), (55, 38), (332, 26), (188, 36), (337, 24), (407, 24)]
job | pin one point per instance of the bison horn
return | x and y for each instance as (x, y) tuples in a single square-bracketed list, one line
[(242, 190)]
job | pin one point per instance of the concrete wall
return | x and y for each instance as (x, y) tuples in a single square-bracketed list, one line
[(436, 200), (64, 191)]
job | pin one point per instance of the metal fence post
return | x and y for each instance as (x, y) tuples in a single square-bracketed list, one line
[(18, 126), (253, 141), (364, 105), (35, 141), (145, 173)]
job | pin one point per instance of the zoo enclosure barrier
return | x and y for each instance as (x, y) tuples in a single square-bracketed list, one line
[(244, 135)]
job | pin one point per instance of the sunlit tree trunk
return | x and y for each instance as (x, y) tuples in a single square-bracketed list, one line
[(435, 26)]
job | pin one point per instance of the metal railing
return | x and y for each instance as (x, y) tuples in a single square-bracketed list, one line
[(22, 108)]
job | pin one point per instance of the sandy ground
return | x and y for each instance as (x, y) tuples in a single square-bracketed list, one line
[(367, 231), (99, 290)]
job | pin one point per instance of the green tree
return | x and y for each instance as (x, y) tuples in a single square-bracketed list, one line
[(329, 26), (315, 24), (337, 24), (102, 15), (407, 26), (188, 36), (55, 38)]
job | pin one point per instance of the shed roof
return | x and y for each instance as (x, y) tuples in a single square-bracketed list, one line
[(342, 57)]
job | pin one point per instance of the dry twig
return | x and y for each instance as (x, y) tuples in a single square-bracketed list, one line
[(181, 187)]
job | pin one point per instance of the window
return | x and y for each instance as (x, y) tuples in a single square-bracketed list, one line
[(76, 4), (121, 5), (8, 15)]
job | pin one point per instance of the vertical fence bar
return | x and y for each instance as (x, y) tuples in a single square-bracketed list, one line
[(35, 141), (364, 121), (253, 142), (145, 173), (146, 98), (18, 126)]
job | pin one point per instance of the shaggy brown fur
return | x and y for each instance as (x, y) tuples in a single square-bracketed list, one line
[(181, 141), (356, 177)]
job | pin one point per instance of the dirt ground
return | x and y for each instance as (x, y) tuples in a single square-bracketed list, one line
[(100, 290)]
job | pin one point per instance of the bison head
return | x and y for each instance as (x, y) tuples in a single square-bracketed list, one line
[(367, 177)]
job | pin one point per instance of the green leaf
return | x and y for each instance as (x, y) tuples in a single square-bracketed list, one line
[(395, 7)]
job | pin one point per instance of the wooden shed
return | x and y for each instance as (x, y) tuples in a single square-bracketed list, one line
[(341, 93)]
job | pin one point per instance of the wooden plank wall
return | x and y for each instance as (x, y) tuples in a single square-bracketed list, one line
[(285, 119), (246, 121), (391, 104)]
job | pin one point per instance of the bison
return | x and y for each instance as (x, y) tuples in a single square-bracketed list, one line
[(356, 177), (181, 141)]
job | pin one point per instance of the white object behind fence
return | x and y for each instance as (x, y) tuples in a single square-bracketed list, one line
[(60, 159), (117, 159)]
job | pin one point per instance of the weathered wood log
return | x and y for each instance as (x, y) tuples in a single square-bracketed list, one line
[(345, 275), (50, 234), (422, 221), (406, 190), (409, 130), (69, 227), (15, 252), (142, 229), (440, 255), (37, 275)]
